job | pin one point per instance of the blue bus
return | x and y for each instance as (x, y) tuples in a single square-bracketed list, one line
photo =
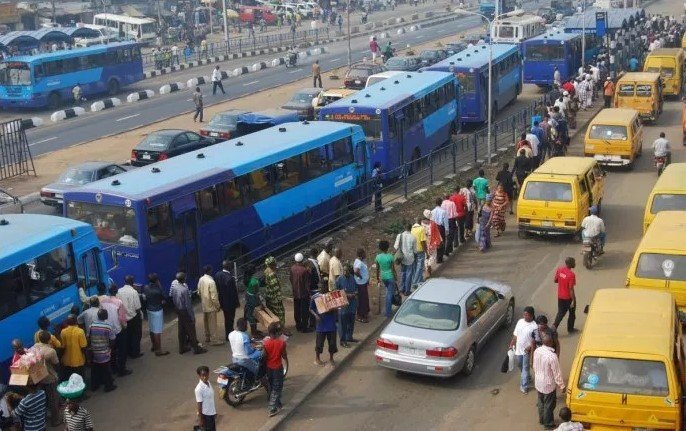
[(47, 79), (404, 117), (487, 7), (555, 49), (471, 69), (239, 200), (43, 261)]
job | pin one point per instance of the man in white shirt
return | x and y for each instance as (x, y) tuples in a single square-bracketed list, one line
[(593, 226), (134, 319), (407, 244), (217, 81), (661, 147), (440, 217), (522, 342), (556, 77), (175, 54), (204, 396)]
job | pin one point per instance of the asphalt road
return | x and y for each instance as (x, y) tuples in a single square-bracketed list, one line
[(128, 116)]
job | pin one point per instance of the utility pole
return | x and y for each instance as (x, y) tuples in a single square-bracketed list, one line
[(53, 12), (226, 25), (159, 15), (350, 56)]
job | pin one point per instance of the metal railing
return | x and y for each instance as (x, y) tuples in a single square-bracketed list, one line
[(15, 154), (465, 151)]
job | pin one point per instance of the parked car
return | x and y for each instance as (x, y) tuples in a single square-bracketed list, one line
[(404, 64), (357, 75), (222, 125), (76, 176), (432, 56), (378, 77), (10, 204), (453, 48), (442, 326), (301, 101), (166, 143), (332, 95)]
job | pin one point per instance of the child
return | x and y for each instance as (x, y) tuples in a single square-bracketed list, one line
[(275, 349)]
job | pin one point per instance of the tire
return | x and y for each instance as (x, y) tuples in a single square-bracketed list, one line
[(509, 315), (469, 362), (522, 234), (588, 260), (229, 395), (54, 100), (113, 87)]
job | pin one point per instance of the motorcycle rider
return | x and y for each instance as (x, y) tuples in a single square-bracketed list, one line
[(292, 56), (243, 353), (661, 148), (593, 226)]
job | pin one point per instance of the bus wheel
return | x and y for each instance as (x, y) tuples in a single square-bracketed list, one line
[(113, 87), (54, 101)]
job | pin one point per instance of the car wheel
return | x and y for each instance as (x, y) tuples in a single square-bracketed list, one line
[(469, 362), (509, 315)]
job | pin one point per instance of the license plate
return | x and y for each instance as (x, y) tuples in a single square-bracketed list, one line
[(357, 81), (146, 156), (222, 380), (214, 134), (407, 350), (547, 224)]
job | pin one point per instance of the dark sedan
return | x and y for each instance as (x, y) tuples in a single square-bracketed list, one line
[(76, 176), (453, 48), (223, 125), (432, 56), (302, 102), (356, 76), (404, 64), (163, 144)]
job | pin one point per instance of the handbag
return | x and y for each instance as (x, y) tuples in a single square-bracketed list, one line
[(398, 256)]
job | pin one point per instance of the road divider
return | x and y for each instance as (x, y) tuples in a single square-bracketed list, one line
[(415, 27), (200, 80), (259, 66), (278, 61), (66, 114), (30, 123), (172, 88), (140, 95), (400, 31), (101, 105)]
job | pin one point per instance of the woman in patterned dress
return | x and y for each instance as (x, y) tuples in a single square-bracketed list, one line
[(499, 204), (272, 292)]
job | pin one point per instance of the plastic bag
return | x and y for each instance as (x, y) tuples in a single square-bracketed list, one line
[(511, 360)]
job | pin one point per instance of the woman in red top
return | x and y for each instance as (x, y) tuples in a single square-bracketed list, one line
[(275, 349)]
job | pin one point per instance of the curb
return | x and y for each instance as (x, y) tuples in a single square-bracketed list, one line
[(324, 375)]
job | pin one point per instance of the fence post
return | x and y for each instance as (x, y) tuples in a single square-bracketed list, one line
[(316, 36), (474, 144), (431, 168), (453, 152), (406, 176), (495, 137)]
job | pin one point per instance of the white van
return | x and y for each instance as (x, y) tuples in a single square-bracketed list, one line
[(378, 77)]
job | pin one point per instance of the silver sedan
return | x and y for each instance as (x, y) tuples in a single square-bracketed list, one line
[(441, 327)]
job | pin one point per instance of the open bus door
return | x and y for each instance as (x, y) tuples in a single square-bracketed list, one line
[(185, 215)]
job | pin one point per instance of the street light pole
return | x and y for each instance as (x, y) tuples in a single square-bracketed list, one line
[(350, 57), (226, 24), (583, 35)]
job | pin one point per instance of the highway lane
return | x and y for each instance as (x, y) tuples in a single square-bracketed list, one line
[(129, 116)]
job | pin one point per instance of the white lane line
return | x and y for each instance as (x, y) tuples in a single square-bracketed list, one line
[(127, 117), (250, 83), (42, 141), (418, 37), (295, 71), (333, 60), (189, 100)]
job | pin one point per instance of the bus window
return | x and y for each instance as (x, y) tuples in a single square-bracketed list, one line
[(288, 173), (315, 164), (36, 279), (15, 73), (261, 183), (342, 153), (160, 224), (466, 81), (88, 269), (207, 203), (231, 196), (626, 90), (112, 224), (545, 52)]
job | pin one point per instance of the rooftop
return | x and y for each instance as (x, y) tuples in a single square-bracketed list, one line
[(475, 56)]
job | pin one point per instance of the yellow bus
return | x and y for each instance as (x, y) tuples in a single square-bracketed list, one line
[(668, 194), (670, 63), (641, 91)]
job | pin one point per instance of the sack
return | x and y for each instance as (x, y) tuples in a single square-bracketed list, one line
[(398, 256), (397, 300)]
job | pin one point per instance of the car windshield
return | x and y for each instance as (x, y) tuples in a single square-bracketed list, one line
[(545, 52), (429, 315), (396, 62), (623, 376), (76, 176), (658, 266), (15, 73), (668, 202), (223, 120), (608, 133), (548, 191), (156, 142), (113, 224), (301, 98)]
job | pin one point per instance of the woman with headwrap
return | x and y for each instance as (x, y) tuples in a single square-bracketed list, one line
[(485, 220), (433, 239), (273, 297)]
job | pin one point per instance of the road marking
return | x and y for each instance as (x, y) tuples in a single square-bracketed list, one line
[(419, 37), (42, 141), (127, 117), (333, 60), (295, 71), (188, 100), (250, 83)]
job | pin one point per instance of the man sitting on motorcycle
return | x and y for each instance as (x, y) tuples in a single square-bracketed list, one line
[(594, 227), (661, 148), (243, 353), (292, 56)]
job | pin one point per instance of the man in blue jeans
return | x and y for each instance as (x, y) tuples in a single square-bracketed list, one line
[(421, 254), (406, 243), (522, 342), (346, 283)]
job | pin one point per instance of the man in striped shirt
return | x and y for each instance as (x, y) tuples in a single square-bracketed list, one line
[(33, 409), (101, 338), (547, 378), (76, 417)]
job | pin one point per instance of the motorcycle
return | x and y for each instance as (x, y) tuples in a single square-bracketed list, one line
[(590, 251), (660, 164), (233, 384), (291, 60)]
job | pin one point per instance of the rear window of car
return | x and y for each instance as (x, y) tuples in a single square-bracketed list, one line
[(657, 266), (548, 191), (429, 315), (224, 120), (358, 72), (156, 142), (607, 132)]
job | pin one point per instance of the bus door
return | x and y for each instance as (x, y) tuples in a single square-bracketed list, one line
[(186, 231), (400, 136)]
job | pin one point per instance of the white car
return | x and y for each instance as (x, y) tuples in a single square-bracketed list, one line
[(378, 77)]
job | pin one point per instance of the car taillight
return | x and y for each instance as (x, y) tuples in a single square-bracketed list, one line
[(441, 352), (386, 344), (47, 194), (225, 135), (134, 154), (163, 156), (204, 133)]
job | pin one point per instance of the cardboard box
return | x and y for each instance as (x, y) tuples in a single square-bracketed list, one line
[(36, 373), (265, 316), (331, 301)]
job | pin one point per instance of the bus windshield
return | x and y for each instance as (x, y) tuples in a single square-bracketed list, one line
[(623, 376), (371, 124), (466, 81), (545, 52), (661, 266), (604, 132), (112, 224), (506, 31), (668, 202), (15, 73), (546, 191)]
